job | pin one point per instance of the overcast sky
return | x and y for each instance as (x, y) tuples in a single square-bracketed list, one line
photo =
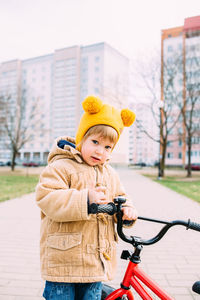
[(31, 28)]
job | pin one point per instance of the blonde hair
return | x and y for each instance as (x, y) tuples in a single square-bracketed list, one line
[(104, 131)]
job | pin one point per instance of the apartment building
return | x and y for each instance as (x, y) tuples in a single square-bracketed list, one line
[(57, 83), (10, 80), (143, 149), (180, 49)]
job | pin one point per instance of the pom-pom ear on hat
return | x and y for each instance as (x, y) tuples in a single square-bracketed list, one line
[(128, 117), (92, 104)]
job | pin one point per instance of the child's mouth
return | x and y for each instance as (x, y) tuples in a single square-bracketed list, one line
[(95, 158)]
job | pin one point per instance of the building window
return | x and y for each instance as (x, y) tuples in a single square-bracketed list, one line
[(170, 60), (96, 90), (170, 155), (180, 143), (170, 48), (97, 58), (84, 60), (180, 155), (180, 130), (180, 46), (169, 144)]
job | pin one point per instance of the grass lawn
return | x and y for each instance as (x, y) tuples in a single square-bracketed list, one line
[(17, 183), (189, 187)]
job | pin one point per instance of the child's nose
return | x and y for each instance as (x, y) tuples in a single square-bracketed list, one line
[(99, 150)]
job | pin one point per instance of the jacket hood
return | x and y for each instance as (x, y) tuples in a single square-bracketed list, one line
[(67, 151)]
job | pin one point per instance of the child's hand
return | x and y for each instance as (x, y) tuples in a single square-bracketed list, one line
[(129, 213), (97, 195)]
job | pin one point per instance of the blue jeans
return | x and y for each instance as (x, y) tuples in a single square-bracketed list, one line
[(72, 291)]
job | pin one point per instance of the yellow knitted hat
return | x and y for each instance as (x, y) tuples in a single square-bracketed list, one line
[(98, 113)]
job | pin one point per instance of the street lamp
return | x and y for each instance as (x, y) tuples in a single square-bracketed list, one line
[(160, 106)]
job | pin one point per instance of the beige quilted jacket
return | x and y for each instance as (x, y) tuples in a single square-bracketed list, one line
[(75, 246)]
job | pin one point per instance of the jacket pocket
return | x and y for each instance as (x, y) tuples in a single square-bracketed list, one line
[(64, 249)]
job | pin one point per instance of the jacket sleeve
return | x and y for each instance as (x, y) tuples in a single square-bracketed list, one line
[(56, 200)]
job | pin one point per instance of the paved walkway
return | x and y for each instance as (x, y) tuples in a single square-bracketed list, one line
[(174, 262)]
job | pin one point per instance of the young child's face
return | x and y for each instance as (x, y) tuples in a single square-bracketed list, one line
[(96, 150)]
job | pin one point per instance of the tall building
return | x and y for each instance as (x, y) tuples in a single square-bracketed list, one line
[(58, 83), (180, 53), (10, 81), (142, 148)]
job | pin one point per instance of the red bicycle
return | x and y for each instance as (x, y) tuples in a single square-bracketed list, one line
[(134, 277)]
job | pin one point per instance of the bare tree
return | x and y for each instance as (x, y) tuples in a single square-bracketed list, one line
[(163, 113), (190, 106), (116, 90), (17, 122)]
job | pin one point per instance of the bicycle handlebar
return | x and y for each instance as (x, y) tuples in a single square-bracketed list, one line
[(193, 225), (112, 208), (196, 287), (109, 208)]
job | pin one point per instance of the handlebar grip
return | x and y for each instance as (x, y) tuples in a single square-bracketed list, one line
[(92, 208), (196, 287), (128, 222), (193, 226), (109, 208)]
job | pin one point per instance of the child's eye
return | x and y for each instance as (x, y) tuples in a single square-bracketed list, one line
[(95, 142), (108, 147)]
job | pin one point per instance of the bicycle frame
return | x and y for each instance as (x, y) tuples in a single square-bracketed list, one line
[(133, 273)]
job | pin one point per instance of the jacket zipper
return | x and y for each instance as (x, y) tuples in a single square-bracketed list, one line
[(101, 218), (96, 172)]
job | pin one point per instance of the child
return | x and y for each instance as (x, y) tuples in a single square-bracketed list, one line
[(78, 249)]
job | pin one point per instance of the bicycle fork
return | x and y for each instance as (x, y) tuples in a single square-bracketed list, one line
[(134, 276)]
